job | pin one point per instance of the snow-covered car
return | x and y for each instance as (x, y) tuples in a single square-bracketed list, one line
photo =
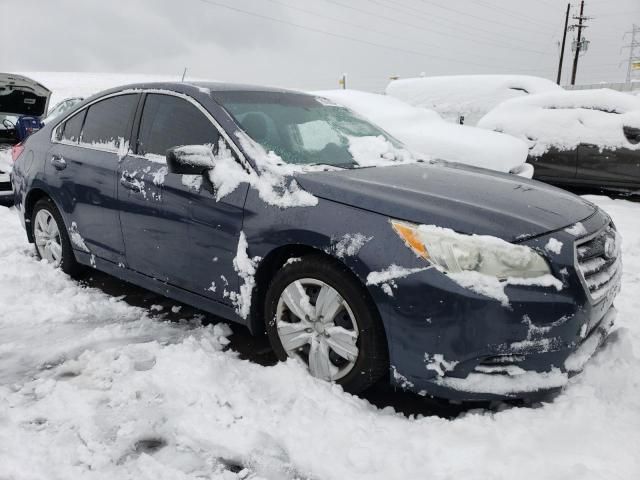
[(22, 102), (424, 131), (61, 107), (296, 217), (580, 138), (466, 98)]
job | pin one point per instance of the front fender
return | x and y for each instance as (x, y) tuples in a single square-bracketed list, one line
[(331, 227)]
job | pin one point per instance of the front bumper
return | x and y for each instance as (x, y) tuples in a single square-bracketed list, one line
[(449, 342), (514, 380)]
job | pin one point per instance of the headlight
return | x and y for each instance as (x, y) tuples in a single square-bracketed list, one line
[(453, 252)]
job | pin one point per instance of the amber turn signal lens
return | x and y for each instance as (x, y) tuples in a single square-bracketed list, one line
[(408, 233)]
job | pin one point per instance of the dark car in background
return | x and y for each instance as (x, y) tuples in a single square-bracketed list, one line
[(578, 138), (592, 166), (295, 217)]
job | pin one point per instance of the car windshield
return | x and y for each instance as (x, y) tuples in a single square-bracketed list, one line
[(301, 129)]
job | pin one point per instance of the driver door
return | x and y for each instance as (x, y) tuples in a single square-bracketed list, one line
[(173, 228)]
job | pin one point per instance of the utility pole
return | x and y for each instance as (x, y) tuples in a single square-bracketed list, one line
[(634, 58), (564, 41), (343, 81), (580, 43)]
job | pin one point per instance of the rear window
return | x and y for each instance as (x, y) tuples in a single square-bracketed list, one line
[(108, 121), (71, 129), (169, 121)]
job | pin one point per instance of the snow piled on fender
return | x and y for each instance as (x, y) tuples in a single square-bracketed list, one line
[(468, 95), (245, 266), (92, 388), (565, 119), (424, 132)]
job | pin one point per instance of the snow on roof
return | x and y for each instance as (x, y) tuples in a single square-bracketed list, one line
[(565, 119), (424, 131), (468, 95)]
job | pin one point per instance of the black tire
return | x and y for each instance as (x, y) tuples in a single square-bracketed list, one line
[(68, 265), (372, 362)]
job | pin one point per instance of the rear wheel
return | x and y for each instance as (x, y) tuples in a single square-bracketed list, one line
[(51, 237), (317, 312)]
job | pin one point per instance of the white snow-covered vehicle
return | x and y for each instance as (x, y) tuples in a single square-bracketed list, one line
[(424, 131), (466, 98), (587, 138)]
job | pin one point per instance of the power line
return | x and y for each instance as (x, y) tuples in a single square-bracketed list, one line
[(510, 13), (390, 35), (454, 24), (418, 27), (336, 35), (473, 26), (471, 15)]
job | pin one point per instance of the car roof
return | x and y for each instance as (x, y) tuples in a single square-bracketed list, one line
[(203, 87)]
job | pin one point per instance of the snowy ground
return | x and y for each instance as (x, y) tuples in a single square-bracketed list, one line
[(92, 387)]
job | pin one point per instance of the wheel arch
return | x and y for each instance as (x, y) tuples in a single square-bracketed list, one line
[(34, 195), (273, 261)]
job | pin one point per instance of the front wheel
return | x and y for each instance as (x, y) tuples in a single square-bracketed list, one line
[(51, 238), (317, 312)]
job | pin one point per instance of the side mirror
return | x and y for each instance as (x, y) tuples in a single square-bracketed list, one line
[(190, 159), (632, 134)]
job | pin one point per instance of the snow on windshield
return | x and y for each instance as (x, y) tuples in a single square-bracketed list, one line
[(565, 119), (426, 134)]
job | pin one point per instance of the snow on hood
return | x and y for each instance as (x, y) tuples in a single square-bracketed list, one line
[(468, 95), (565, 119), (425, 132)]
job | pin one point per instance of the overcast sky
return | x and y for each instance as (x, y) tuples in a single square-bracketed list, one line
[(309, 44)]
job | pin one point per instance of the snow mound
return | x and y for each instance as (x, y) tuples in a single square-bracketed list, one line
[(565, 119), (468, 95), (92, 388), (424, 132)]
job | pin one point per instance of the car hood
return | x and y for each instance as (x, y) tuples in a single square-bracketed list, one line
[(22, 96), (465, 199)]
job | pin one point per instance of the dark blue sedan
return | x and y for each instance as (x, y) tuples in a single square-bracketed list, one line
[(292, 215)]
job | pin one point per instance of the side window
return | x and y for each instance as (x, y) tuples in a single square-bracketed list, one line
[(108, 121), (168, 122), (70, 131)]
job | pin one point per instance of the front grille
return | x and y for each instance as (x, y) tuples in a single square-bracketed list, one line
[(5, 186), (599, 262)]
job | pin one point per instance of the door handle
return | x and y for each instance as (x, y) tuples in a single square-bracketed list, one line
[(58, 162), (129, 183)]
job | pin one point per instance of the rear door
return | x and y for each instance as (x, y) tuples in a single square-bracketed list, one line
[(82, 169), (602, 167), (174, 230), (555, 166)]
